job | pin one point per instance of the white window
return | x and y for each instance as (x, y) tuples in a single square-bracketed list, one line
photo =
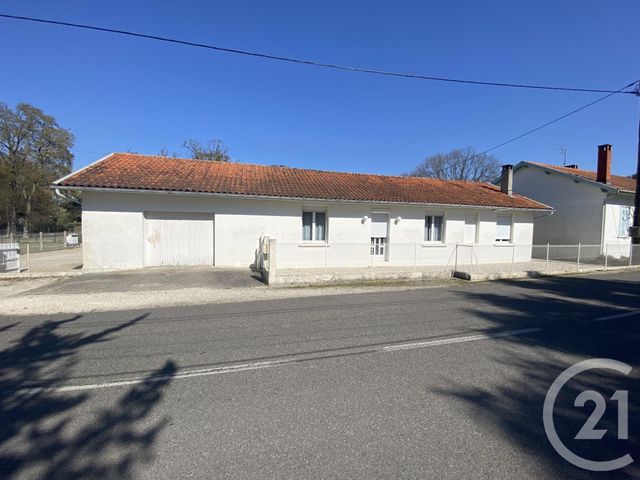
[(470, 228), (314, 226), (433, 225), (503, 228), (625, 221)]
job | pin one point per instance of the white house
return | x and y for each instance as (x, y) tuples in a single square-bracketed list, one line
[(591, 208), (140, 210)]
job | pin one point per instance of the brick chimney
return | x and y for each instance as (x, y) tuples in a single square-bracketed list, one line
[(506, 180), (603, 174)]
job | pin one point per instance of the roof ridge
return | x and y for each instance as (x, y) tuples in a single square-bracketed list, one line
[(474, 182)]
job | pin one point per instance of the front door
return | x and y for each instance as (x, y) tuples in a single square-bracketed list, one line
[(379, 233)]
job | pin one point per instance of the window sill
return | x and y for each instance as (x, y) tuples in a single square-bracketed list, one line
[(317, 244), (433, 244), (503, 244)]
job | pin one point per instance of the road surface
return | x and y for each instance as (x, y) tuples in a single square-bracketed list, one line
[(431, 383)]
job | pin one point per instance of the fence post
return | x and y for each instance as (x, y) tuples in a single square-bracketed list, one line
[(273, 269), (415, 257), (64, 238), (472, 253), (455, 267), (28, 259), (606, 255), (579, 248), (326, 253), (631, 254), (547, 258), (513, 256), (40, 236)]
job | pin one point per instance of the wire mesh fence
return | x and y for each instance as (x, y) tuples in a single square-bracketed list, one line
[(356, 255), (461, 257), (46, 252)]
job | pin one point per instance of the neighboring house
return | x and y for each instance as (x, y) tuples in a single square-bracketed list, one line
[(591, 208), (140, 210)]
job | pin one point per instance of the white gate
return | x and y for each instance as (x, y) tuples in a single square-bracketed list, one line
[(179, 238)]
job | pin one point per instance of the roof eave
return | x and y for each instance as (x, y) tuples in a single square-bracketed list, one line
[(542, 207)]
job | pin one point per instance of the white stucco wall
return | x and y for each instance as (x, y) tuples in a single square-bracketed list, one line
[(616, 245), (113, 230), (579, 206)]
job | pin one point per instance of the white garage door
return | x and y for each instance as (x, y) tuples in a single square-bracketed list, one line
[(174, 238)]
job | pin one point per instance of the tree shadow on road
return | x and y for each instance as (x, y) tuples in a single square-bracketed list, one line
[(564, 308), (42, 431)]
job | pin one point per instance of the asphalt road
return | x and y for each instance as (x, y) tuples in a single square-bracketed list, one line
[(432, 383)]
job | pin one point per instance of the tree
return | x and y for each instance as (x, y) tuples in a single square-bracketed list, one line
[(213, 150), (34, 151), (459, 164)]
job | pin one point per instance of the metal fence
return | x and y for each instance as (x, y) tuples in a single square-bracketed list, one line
[(465, 257), (47, 252)]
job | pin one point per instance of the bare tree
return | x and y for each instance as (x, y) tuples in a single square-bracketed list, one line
[(213, 150), (459, 164)]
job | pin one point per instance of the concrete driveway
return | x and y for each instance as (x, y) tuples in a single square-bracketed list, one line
[(61, 260), (154, 279)]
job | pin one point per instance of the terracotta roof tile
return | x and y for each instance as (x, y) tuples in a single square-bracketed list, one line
[(618, 181), (144, 172)]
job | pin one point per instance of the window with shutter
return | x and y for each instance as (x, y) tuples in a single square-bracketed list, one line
[(503, 228)]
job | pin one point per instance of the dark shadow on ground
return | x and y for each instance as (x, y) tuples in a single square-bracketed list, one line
[(563, 307), (41, 433)]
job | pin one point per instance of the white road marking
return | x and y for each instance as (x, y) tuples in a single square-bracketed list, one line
[(159, 378), (467, 338), (290, 360), (616, 316), (265, 364)]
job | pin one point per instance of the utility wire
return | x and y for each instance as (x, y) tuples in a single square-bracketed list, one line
[(305, 62), (637, 83)]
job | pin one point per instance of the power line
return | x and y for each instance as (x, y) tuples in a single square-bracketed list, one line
[(306, 62), (529, 132)]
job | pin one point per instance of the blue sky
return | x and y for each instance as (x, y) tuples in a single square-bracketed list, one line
[(119, 94)]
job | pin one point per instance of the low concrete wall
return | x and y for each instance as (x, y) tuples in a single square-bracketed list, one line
[(310, 276)]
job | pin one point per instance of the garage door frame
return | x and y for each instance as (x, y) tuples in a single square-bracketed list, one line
[(151, 215)]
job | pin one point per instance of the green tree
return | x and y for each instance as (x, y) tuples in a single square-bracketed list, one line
[(459, 164), (34, 151)]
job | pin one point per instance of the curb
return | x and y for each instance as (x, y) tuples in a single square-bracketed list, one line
[(26, 275)]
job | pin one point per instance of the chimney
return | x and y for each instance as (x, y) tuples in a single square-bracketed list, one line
[(603, 174), (506, 181)]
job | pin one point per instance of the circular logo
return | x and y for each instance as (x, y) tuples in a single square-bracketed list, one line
[(588, 431)]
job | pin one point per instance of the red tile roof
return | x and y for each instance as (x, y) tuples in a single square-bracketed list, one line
[(144, 172), (617, 181)]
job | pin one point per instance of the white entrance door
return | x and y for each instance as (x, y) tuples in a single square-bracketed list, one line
[(379, 230), (176, 238)]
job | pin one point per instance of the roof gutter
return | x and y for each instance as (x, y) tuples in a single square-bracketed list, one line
[(297, 199), (68, 199)]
